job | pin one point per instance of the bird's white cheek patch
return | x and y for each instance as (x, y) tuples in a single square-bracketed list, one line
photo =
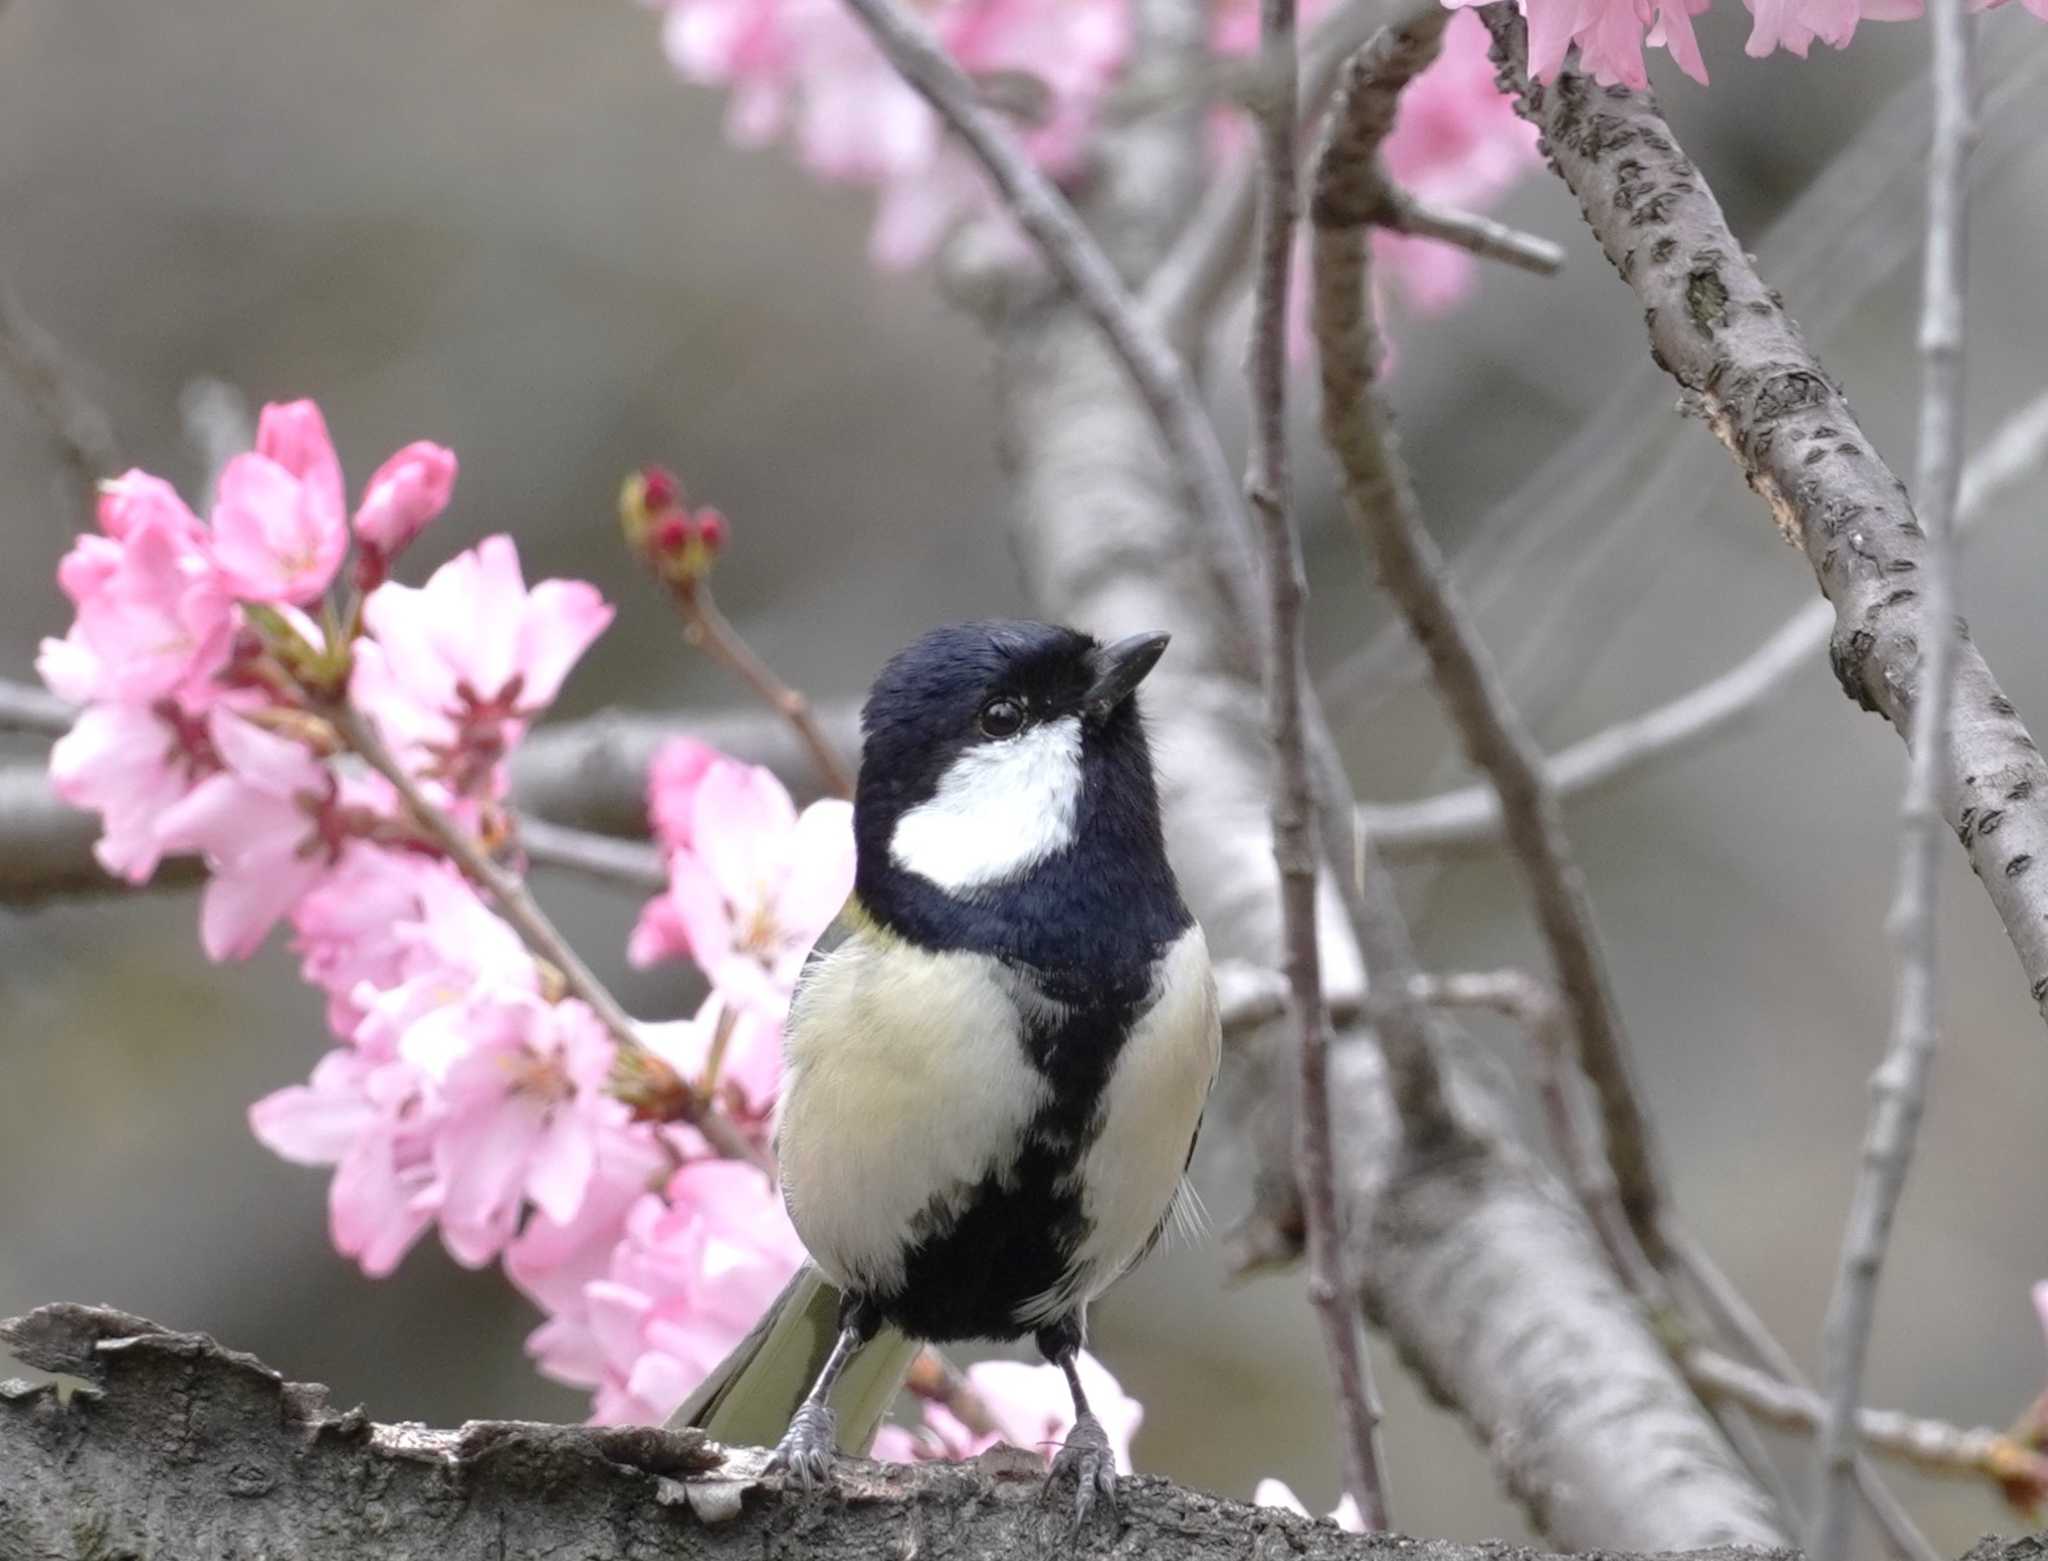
[(1001, 809)]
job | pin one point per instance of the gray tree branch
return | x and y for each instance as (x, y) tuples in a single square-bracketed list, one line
[(571, 780), (1899, 1088), (1719, 330), (174, 1447)]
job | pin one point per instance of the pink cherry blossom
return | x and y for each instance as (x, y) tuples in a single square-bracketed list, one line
[(271, 823), (365, 1116), (154, 618), (1032, 1409), (756, 886), (459, 959), (131, 764), (452, 671), (403, 496), (696, 1269), (523, 1112), (356, 928), (552, 1260), (806, 69), (673, 776), (279, 526)]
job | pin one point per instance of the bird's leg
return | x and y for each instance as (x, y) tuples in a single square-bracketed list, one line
[(809, 1445), (1086, 1457)]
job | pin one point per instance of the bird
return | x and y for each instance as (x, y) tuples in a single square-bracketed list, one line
[(997, 1056)]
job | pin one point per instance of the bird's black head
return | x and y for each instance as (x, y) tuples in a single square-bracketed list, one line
[(1002, 763)]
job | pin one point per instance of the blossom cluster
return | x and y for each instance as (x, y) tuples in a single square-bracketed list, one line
[(806, 71), (257, 690)]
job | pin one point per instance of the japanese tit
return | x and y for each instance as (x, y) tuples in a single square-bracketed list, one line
[(998, 1055)]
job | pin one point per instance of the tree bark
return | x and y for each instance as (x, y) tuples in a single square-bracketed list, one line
[(176, 1448)]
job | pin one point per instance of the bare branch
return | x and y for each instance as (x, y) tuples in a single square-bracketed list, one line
[(174, 1447), (1933, 1446), (1269, 484), (82, 432), (27, 709), (1467, 230), (1470, 815), (1348, 185), (709, 630), (1188, 287), (1597, 509), (1722, 333), (590, 773), (1900, 1084), (603, 857)]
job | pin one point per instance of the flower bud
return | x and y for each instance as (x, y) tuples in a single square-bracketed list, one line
[(404, 494), (660, 526)]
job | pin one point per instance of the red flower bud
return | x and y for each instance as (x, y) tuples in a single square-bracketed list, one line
[(672, 534), (659, 489), (711, 529)]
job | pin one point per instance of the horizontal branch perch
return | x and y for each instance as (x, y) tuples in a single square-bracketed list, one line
[(178, 1448), (589, 774)]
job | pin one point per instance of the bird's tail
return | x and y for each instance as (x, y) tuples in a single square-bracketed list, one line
[(750, 1395)]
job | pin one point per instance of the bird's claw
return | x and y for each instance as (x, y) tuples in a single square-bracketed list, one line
[(808, 1447), (1087, 1459)]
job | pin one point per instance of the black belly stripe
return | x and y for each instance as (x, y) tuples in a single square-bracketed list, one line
[(1012, 1237)]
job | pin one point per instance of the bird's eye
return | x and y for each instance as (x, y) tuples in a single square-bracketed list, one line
[(1002, 718)]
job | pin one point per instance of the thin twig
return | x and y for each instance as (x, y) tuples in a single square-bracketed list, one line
[(532, 924), (1269, 486), (1470, 815), (1188, 287), (1348, 185), (1900, 1084), (607, 858), (1468, 230), (83, 433), (1934, 1446), (1521, 997), (710, 630)]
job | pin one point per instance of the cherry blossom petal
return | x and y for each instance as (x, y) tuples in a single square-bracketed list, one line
[(294, 435)]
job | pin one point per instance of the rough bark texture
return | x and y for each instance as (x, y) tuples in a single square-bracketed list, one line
[(1725, 336), (176, 1448)]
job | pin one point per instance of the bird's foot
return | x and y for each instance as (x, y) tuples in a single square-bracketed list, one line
[(1089, 1462), (808, 1447)]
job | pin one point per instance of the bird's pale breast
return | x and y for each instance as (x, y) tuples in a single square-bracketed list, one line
[(906, 1082)]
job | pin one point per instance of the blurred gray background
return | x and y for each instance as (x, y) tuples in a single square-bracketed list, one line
[(503, 224)]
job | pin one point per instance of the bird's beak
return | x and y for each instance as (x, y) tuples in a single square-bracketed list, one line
[(1121, 667)]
